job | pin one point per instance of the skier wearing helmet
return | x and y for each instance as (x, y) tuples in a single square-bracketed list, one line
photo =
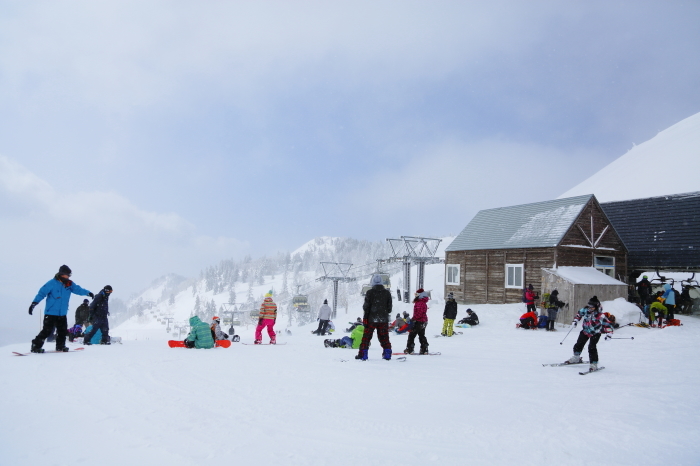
[(216, 332)]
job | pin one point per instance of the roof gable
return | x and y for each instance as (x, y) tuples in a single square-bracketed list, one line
[(537, 225)]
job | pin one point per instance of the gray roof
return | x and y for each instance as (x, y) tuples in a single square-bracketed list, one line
[(538, 225)]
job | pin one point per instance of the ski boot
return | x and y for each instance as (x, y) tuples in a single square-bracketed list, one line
[(386, 354), (593, 366), (423, 350), (36, 348), (362, 355), (575, 359)]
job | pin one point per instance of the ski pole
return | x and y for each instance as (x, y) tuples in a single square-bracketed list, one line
[(607, 337), (567, 334)]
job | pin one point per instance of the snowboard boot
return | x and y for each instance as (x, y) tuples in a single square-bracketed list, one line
[(37, 347), (386, 354), (575, 359), (362, 355), (63, 349), (423, 350), (273, 341), (258, 342), (408, 350), (327, 343), (105, 343)]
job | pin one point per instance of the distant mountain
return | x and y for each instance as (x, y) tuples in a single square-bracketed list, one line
[(668, 163)]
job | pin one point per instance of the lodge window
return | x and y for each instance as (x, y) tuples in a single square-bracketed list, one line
[(514, 275), (452, 275), (605, 265)]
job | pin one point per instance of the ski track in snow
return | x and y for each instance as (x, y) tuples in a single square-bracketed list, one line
[(486, 400)]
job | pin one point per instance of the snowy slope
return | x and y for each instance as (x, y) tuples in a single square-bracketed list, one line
[(668, 163), (486, 400)]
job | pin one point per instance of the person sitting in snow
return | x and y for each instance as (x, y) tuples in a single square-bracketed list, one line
[(449, 315), (200, 335), (75, 332), (216, 332), (528, 320), (406, 326), (353, 325), (471, 319), (593, 323), (353, 341)]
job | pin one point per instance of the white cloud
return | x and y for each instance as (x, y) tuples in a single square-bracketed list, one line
[(104, 232)]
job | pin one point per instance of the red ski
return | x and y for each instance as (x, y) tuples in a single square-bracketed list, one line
[(181, 344), (44, 352)]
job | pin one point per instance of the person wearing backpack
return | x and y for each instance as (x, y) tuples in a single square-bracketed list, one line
[(553, 307), (529, 296)]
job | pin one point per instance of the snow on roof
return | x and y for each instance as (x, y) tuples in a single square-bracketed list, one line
[(674, 150), (584, 276), (537, 225)]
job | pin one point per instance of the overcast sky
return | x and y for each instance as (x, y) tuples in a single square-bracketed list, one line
[(141, 138)]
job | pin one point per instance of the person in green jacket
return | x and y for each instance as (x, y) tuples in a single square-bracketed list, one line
[(353, 341), (200, 335)]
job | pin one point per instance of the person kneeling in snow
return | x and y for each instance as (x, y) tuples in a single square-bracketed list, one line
[(471, 319), (216, 332), (594, 323), (353, 341), (528, 320), (75, 332), (200, 335)]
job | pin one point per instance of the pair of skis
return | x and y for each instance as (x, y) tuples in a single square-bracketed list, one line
[(575, 364)]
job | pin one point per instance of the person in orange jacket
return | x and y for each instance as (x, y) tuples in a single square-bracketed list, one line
[(528, 320)]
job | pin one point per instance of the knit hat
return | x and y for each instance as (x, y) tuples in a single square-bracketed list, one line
[(325, 301), (469, 311), (85, 301), (108, 288), (376, 279), (419, 290), (216, 318), (64, 270), (530, 287), (592, 303), (450, 296)]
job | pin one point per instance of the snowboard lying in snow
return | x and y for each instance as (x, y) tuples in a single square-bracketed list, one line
[(261, 344), (181, 344), (417, 354), (27, 354)]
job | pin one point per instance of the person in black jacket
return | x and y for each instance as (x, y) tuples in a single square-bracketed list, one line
[(99, 310), (449, 315), (377, 307), (82, 313), (471, 319), (553, 307)]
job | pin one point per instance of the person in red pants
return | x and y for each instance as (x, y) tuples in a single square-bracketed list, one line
[(268, 317)]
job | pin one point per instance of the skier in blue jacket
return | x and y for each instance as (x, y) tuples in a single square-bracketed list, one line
[(57, 292)]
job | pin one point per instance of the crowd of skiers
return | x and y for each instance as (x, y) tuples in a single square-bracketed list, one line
[(90, 317), (660, 307)]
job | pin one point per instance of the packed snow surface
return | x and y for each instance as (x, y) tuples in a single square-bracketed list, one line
[(487, 400), (672, 154)]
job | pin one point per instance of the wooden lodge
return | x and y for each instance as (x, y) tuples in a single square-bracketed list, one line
[(503, 250)]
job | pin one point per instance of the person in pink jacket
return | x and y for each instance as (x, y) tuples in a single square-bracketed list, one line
[(420, 322), (268, 316)]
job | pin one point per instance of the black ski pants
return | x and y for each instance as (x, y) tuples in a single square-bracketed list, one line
[(417, 329), (99, 324), (61, 325), (592, 345), (322, 325)]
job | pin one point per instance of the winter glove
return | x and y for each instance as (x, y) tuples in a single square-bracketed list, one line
[(225, 336), (91, 295), (31, 308), (574, 323)]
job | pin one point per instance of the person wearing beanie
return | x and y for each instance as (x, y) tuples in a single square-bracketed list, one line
[(377, 309), (449, 315), (530, 297), (216, 332), (57, 292), (324, 316), (268, 317), (553, 306), (594, 323), (82, 313), (420, 322), (99, 310), (472, 319)]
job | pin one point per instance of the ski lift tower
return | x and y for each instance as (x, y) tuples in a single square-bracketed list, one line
[(335, 272), (413, 249)]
